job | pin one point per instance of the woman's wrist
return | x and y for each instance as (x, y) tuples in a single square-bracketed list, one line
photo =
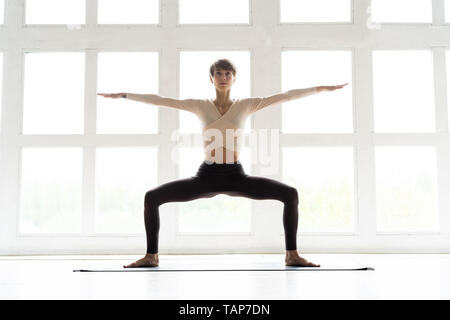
[(123, 95)]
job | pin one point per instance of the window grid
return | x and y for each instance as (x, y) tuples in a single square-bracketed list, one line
[(266, 36)]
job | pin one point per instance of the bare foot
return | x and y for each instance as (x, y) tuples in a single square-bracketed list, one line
[(150, 260), (294, 260)]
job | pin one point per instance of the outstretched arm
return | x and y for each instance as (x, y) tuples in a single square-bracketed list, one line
[(331, 88), (186, 104), (291, 95)]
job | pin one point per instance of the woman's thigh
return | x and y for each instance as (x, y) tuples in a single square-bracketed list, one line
[(181, 190), (262, 188)]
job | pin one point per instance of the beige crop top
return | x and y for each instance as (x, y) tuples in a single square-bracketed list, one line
[(222, 132)]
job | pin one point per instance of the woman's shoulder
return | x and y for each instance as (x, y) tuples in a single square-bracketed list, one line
[(249, 100)]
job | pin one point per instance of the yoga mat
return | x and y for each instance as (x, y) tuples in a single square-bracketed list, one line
[(177, 266)]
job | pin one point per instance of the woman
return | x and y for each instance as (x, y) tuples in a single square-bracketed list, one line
[(221, 172)]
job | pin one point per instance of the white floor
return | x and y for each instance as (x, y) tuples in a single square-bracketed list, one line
[(395, 277)]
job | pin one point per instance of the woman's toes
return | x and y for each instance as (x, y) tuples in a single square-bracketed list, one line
[(131, 265)]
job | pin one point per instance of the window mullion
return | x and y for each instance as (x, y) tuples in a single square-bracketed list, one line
[(91, 12), (438, 12), (90, 119), (364, 153), (10, 148), (443, 146)]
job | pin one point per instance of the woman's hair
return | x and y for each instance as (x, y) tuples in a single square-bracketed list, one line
[(223, 64)]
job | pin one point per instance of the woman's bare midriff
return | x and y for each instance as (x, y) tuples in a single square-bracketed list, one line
[(224, 155)]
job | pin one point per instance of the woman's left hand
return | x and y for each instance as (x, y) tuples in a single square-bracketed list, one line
[(331, 88)]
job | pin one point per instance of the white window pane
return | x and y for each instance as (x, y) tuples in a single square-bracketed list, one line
[(401, 11), (123, 176), (406, 189), (221, 213), (323, 112), (195, 82), (447, 11), (2, 11), (1, 89), (324, 179), (448, 78), (55, 11), (315, 10), (403, 91), (128, 11), (135, 72), (51, 190), (54, 93), (213, 11)]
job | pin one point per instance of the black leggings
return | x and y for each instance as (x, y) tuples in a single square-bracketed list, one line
[(212, 179)]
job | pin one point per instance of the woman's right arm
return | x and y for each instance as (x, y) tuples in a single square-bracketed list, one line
[(186, 104)]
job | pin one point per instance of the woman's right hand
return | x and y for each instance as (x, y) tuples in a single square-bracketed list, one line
[(112, 95)]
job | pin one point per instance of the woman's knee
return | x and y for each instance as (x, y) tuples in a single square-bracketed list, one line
[(291, 195), (150, 198)]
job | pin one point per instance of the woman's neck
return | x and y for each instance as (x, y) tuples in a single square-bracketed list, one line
[(222, 97)]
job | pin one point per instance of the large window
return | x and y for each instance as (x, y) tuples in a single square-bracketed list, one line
[(123, 175), (55, 11), (324, 177), (213, 11), (50, 193), (370, 162), (315, 11), (331, 112), (401, 11), (53, 93), (128, 11), (126, 72), (403, 98), (406, 189)]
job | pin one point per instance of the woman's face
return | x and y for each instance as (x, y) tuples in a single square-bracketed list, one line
[(223, 79)]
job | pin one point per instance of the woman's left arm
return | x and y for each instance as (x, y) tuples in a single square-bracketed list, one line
[(291, 95), (330, 88)]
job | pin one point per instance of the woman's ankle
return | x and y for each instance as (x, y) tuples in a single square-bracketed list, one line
[(291, 253)]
